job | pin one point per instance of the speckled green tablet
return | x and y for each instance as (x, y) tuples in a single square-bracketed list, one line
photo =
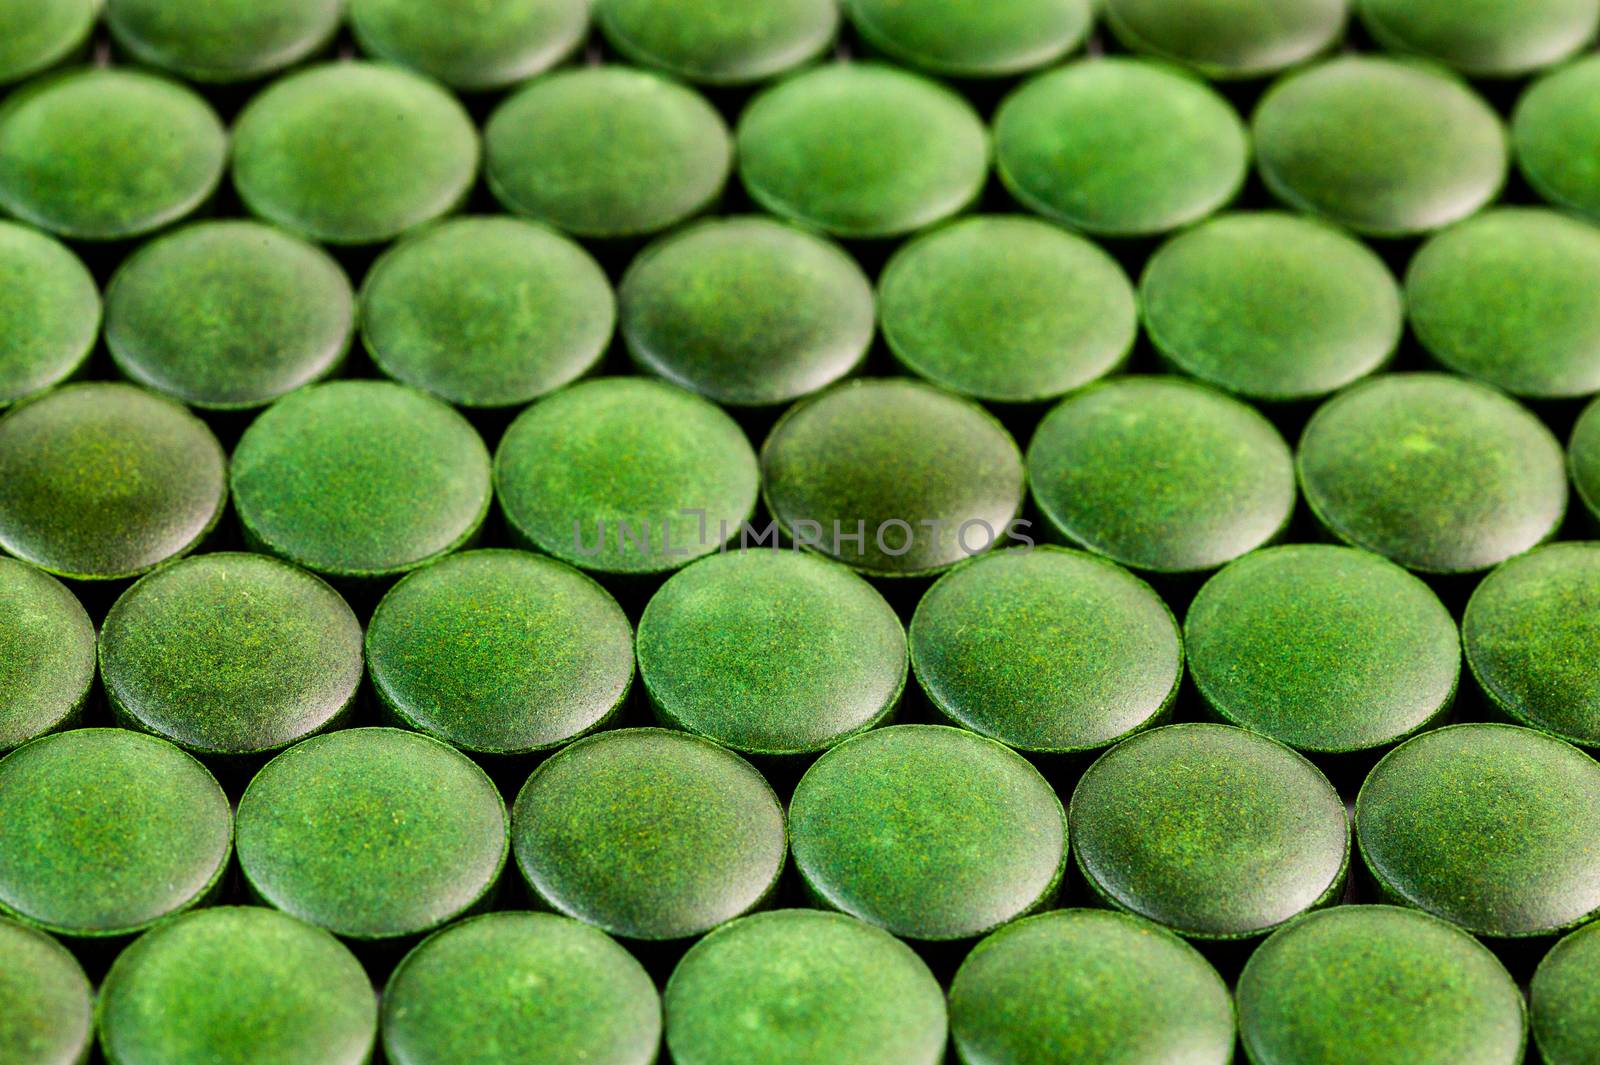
[(497, 44), (500, 651), (1484, 38), (526, 988), (1212, 831), (1555, 130), (1120, 147), (1047, 650), (104, 481), (1583, 456), (933, 833), (107, 832), (1271, 306), (320, 152), (625, 475), (1531, 630), (230, 654), (649, 834), (1439, 473), (49, 313), (49, 1014), (799, 987), (1386, 147), (222, 40), (372, 833), (237, 986), (107, 154), (46, 654), (228, 315), (893, 477), (719, 42), (1565, 1000), (1489, 826), (1324, 648), (1006, 309), (38, 34), (972, 38), (1089, 985), (607, 152), (746, 311), (487, 312), (1378, 984), (360, 479), (1228, 38), (862, 150), (1161, 474), (771, 652)]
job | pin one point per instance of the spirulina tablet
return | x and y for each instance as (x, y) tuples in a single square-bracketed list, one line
[(771, 652), (802, 987), (228, 315), (973, 38), (1434, 817), (38, 34), (46, 654), (1565, 1000), (1209, 830), (1487, 38), (372, 833), (230, 654), (1228, 38), (222, 40), (49, 313), (1554, 130), (520, 989), (719, 42), (1583, 457), (108, 831), (49, 1014), (497, 44)]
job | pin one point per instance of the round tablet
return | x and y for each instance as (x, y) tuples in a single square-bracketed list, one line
[(625, 475), (797, 987), (320, 153), (1323, 648), (1554, 131), (107, 154), (38, 34), (1228, 38), (607, 152), (1488, 826), (719, 42), (1485, 38), (1161, 474), (1531, 629), (533, 988), (1212, 831), (1583, 456), (1378, 983), (862, 150), (1386, 147), (1505, 297), (1439, 473), (46, 654), (49, 1014), (1047, 650), (649, 834), (500, 651), (973, 38), (1565, 1000), (228, 315), (49, 313), (107, 831), (237, 986), (360, 479), (222, 40), (1007, 309), (103, 481), (933, 833), (497, 45), (230, 654), (1270, 306), (487, 312), (746, 311), (1089, 985), (893, 477), (1120, 147), (771, 652), (372, 833)]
